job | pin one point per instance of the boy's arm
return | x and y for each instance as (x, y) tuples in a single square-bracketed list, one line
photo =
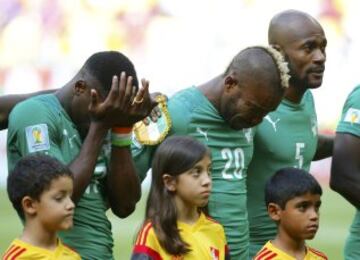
[(7, 103), (345, 168)]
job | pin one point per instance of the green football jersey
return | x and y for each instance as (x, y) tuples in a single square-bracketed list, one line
[(192, 114), (350, 124), (40, 125), (286, 137)]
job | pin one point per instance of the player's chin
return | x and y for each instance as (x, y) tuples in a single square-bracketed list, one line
[(315, 83)]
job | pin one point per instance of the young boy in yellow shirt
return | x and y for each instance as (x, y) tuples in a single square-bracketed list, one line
[(293, 200), (40, 189)]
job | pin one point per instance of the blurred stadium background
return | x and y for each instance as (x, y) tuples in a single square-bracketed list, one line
[(174, 44)]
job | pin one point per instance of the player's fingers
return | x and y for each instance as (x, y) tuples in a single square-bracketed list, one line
[(114, 90)]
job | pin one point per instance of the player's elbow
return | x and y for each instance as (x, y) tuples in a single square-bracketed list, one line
[(338, 181), (124, 210)]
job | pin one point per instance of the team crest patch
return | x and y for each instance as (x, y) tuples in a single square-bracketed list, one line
[(352, 116), (215, 254), (37, 138), (154, 133)]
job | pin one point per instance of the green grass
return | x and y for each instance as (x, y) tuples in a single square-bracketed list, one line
[(336, 216)]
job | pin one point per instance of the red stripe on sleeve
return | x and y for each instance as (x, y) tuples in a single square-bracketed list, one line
[(270, 256), (22, 250), (145, 233), (318, 253), (11, 250), (264, 254), (140, 249)]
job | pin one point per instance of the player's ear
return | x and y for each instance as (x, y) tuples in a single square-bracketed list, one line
[(274, 211), (169, 182), (230, 82), (80, 87), (29, 205)]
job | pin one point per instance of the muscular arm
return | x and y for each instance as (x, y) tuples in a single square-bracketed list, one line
[(84, 164), (324, 147), (345, 168), (122, 183), (7, 103)]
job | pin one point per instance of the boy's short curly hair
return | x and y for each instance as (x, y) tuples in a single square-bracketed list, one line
[(32, 176)]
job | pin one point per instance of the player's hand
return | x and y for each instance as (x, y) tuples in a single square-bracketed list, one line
[(155, 114), (124, 105)]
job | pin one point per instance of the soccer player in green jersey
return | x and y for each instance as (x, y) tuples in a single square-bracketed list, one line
[(220, 113), (345, 170), (75, 125), (288, 136)]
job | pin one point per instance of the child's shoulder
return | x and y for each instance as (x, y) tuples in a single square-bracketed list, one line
[(145, 234), (16, 248), (67, 251), (316, 254), (268, 251)]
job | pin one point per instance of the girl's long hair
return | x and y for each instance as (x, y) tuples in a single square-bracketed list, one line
[(174, 156)]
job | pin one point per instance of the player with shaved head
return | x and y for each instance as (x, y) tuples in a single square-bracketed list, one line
[(288, 136), (220, 114)]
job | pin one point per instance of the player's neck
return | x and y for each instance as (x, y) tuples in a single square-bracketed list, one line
[(294, 94), (212, 90), (289, 245), (36, 235)]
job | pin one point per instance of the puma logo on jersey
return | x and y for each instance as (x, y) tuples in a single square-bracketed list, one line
[(204, 133), (268, 118), (248, 134)]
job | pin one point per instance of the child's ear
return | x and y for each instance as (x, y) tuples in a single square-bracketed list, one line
[(169, 182), (274, 211), (29, 205)]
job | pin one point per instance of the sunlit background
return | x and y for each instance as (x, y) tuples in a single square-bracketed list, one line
[(174, 44)]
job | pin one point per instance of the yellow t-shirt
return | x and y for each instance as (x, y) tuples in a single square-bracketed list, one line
[(19, 250), (206, 239), (270, 252)]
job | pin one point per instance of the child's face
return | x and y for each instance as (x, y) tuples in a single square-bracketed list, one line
[(55, 209), (300, 218), (193, 187)]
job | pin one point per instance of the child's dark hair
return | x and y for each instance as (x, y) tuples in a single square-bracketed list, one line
[(289, 183), (174, 156), (32, 176)]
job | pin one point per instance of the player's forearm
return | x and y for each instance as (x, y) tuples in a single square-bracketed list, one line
[(123, 184), (324, 147), (84, 164)]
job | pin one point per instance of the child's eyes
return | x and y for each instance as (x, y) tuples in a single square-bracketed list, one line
[(58, 199)]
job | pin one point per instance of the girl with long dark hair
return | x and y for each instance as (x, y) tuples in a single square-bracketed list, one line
[(176, 226)]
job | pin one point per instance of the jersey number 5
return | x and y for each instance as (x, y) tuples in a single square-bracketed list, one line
[(299, 157), (235, 160)]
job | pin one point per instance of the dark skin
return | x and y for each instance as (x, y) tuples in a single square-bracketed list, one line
[(302, 41), (7, 102), (241, 99), (345, 168), (116, 109)]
